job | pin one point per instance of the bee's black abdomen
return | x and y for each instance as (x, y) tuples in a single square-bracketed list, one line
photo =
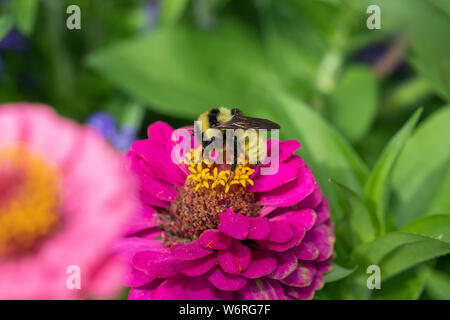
[(212, 117)]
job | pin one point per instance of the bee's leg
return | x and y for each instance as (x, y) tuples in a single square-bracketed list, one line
[(235, 160), (205, 144)]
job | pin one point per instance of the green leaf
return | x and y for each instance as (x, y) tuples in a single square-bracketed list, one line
[(406, 94), (421, 177), (6, 23), (427, 27), (181, 72), (441, 200), (398, 251), (443, 5), (329, 155), (407, 285), (374, 251), (411, 254), (376, 190), (171, 10), (437, 227), (294, 45), (432, 75), (338, 273), (359, 219), (25, 14), (132, 116), (352, 105), (438, 285)]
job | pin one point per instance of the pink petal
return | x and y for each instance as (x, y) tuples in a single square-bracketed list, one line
[(292, 192), (162, 167), (325, 266), (144, 219), (190, 251), (300, 218), (158, 264), (323, 211), (323, 238), (280, 232), (224, 281), (234, 225), (286, 264), (306, 293), (259, 228), (280, 247), (126, 249), (140, 294), (171, 289), (131, 245), (262, 289), (318, 281), (313, 200), (262, 264), (103, 282), (287, 149), (152, 184), (300, 293), (144, 292), (151, 200), (136, 278), (306, 251), (235, 259), (295, 161), (267, 210), (159, 189), (264, 183), (160, 131), (302, 276), (194, 268), (199, 288), (12, 124), (214, 239), (44, 133)]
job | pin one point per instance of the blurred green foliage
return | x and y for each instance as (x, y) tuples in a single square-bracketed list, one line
[(382, 162)]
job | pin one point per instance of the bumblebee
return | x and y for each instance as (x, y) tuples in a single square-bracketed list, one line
[(223, 118)]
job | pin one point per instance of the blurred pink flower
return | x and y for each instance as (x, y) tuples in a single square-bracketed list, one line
[(267, 237), (64, 199)]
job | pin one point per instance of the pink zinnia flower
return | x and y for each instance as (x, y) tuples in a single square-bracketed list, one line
[(266, 237), (64, 199)]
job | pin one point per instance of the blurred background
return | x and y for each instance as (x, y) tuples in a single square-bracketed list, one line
[(344, 91)]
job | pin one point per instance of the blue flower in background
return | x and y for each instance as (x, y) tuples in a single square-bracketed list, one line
[(106, 125), (14, 41), (152, 9), (386, 57), (372, 53)]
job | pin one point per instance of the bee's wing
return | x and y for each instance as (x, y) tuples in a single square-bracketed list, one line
[(243, 122)]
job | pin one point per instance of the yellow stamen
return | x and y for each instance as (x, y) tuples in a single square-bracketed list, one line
[(201, 173), (29, 212)]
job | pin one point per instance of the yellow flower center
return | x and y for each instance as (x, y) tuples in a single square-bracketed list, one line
[(29, 201), (209, 177)]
